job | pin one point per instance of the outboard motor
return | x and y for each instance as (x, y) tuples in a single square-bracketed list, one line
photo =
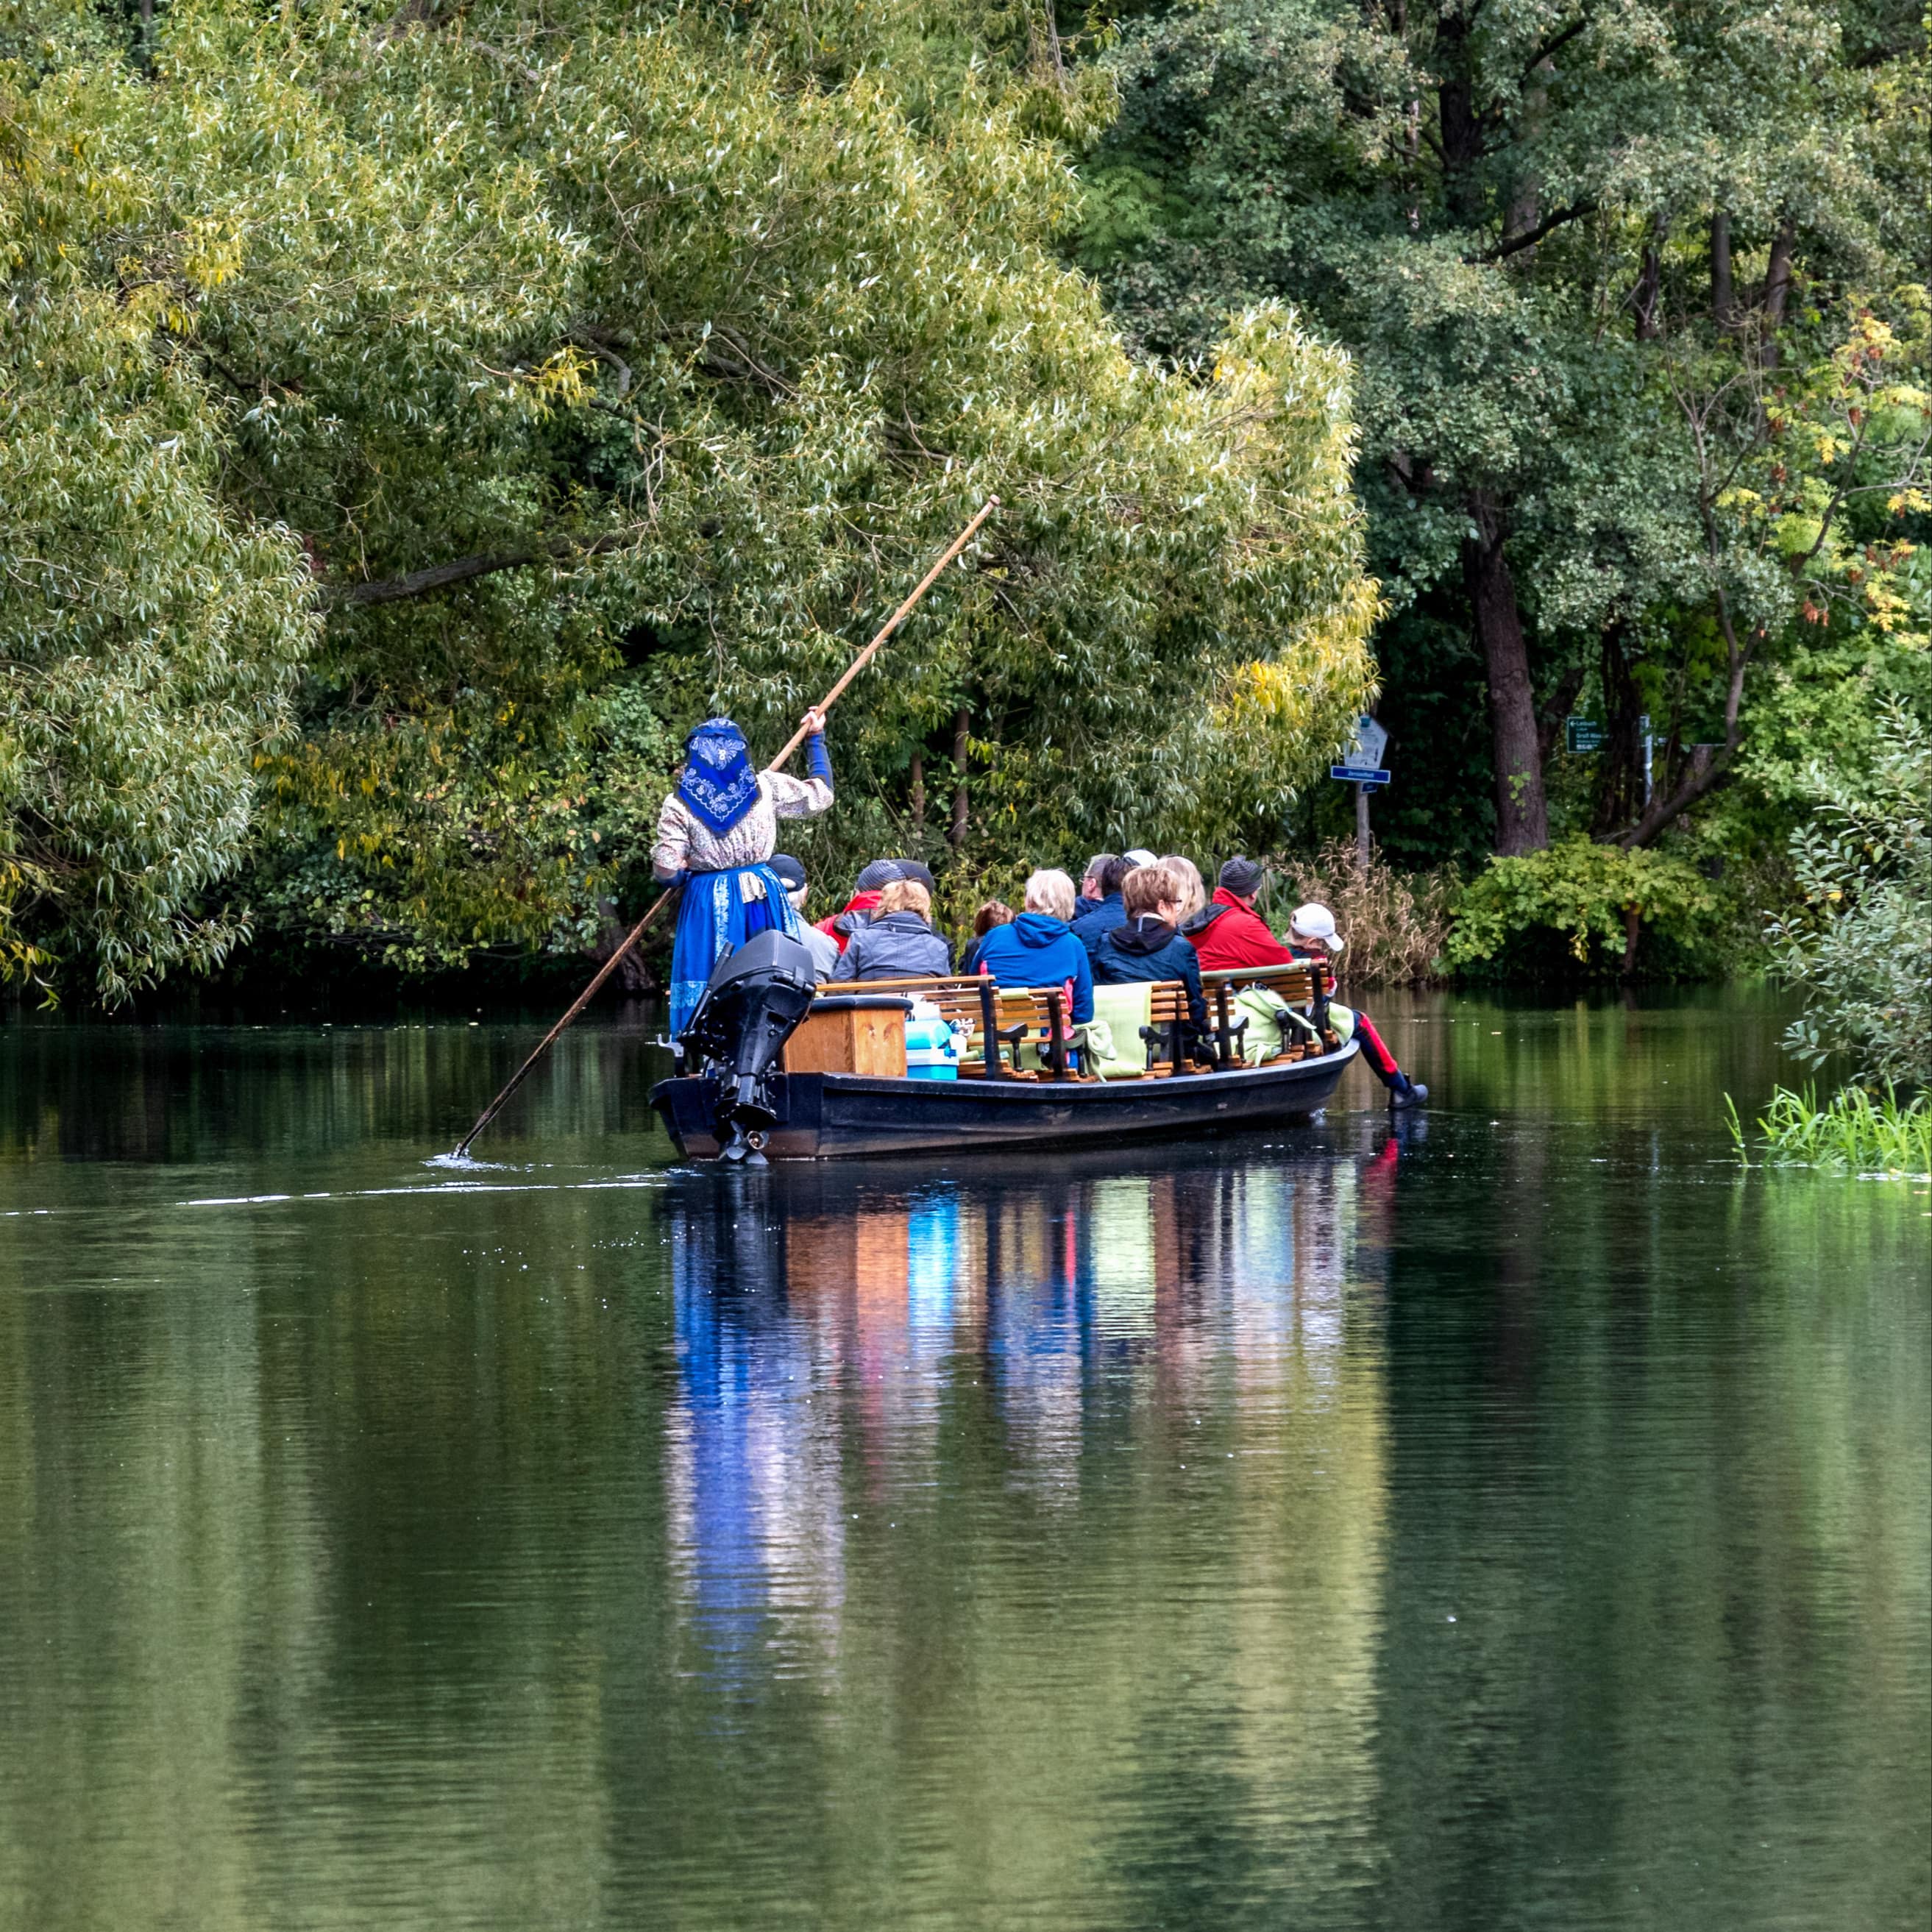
[(755, 1000)]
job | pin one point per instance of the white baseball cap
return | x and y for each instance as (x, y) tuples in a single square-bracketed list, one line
[(1315, 922), (1139, 856)]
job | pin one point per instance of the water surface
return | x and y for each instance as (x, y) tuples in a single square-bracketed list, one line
[(1524, 1520)]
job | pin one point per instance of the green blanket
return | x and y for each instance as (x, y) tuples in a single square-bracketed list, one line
[(1113, 1043)]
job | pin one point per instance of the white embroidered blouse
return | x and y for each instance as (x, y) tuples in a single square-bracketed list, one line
[(685, 843)]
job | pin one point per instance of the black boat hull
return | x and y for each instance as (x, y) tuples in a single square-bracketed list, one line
[(829, 1116)]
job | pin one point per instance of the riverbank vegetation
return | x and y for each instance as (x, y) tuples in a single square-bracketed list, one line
[(411, 421), (1855, 1132)]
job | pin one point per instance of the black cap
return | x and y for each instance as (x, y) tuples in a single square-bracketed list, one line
[(911, 868), (1242, 876), (881, 872), (791, 874)]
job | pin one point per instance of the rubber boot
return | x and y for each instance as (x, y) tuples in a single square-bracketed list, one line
[(1405, 1093)]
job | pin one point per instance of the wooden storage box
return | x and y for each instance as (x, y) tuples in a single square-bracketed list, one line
[(868, 1039)]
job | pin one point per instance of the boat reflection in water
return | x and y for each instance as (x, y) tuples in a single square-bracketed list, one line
[(1173, 1363)]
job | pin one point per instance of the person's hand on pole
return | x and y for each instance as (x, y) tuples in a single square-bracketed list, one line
[(814, 722)]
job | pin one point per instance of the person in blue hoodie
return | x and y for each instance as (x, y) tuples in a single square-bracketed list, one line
[(1038, 948), (1097, 917)]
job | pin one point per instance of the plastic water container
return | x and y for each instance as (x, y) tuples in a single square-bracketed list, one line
[(932, 1053)]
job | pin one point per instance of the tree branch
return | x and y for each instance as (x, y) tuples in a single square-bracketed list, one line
[(1531, 237), (1554, 45), (463, 569)]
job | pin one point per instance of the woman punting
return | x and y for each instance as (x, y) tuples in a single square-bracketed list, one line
[(715, 832)]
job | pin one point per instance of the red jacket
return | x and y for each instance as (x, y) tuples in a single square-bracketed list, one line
[(1228, 934), (841, 922)]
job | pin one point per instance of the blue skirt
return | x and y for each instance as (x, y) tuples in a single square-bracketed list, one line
[(714, 920)]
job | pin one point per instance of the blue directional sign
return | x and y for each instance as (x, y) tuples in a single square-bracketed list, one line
[(1362, 762)]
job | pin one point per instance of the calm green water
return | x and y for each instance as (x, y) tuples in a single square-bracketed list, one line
[(1524, 1523)]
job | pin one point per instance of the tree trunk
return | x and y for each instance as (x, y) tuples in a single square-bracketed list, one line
[(1777, 278), (962, 720), (1723, 307), (919, 789), (1459, 120), (1525, 204), (1522, 815), (1549, 719), (1620, 778), (1777, 291), (1649, 286)]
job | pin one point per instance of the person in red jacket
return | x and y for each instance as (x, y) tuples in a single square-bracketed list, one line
[(1228, 931), (864, 901)]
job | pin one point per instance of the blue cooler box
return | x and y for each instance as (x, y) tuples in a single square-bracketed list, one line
[(932, 1052)]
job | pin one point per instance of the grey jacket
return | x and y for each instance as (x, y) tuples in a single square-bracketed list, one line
[(824, 950), (895, 946)]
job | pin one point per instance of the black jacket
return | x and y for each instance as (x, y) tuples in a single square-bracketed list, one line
[(1148, 948)]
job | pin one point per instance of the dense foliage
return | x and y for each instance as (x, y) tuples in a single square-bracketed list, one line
[(1577, 904), (1635, 291), (1860, 946), (479, 396)]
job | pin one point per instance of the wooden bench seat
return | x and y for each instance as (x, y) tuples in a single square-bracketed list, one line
[(1302, 983)]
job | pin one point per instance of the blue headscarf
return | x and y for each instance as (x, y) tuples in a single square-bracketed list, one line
[(718, 783)]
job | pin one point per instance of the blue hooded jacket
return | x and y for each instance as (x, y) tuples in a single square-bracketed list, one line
[(1036, 949)]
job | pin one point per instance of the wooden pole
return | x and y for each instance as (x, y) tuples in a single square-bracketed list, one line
[(670, 892), (892, 623)]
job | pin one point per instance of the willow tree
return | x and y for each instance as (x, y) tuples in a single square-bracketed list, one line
[(609, 363)]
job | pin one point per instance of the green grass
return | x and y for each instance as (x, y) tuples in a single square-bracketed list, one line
[(1856, 1133)]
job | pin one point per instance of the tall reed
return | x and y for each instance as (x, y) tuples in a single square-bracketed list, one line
[(1396, 923), (1856, 1131)]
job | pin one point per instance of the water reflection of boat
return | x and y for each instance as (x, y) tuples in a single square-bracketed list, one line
[(844, 1339)]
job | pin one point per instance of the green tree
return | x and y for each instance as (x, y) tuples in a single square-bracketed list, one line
[(610, 364), (1860, 947), (1572, 250), (150, 630)]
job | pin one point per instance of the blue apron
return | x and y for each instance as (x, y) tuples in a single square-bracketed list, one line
[(714, 920)]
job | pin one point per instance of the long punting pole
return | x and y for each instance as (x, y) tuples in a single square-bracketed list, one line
[(664, 898)]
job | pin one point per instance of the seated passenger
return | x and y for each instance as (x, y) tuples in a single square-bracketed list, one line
[(823, 948), (1312, 935), (1193, 888), (1092, 891), (1230, 932), (994, 913), (898, 941), (1149, 946), (1039, 948), (1103, 911), (864, 902)]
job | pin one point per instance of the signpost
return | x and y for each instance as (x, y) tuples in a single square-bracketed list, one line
[(1362, 766), (1585, 734)]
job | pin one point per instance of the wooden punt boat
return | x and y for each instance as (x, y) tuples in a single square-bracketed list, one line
[(841, 1092), (822, 1116)]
